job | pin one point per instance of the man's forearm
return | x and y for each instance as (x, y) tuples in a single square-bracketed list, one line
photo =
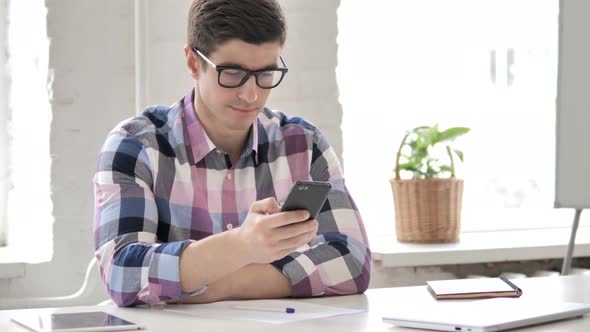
[(210, 259), (254, 281)]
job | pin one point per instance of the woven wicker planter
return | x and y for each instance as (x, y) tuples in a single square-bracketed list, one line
[(427, 210)]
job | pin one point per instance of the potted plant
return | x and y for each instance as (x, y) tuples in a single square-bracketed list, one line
[(428, 205)]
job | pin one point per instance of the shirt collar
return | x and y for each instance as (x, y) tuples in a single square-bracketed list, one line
[(198, 142)]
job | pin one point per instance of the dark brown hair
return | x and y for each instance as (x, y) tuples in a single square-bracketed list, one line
[(213, 22)]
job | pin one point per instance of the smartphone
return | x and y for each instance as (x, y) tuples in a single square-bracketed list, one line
[(307, 195)]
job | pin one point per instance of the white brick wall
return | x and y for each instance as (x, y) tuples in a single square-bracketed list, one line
[(163, 74), (91, 56), (310, 88)]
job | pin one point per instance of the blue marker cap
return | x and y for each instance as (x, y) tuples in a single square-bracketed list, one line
[(290, 310)]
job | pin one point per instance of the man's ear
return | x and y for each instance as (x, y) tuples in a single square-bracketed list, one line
[(192, 63)]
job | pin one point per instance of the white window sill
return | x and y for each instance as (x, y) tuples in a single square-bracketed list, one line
[(12, 270), (14, 259), (11, 265), (482, 247)]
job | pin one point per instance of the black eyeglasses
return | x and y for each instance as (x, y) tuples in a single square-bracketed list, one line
[(235, 76)]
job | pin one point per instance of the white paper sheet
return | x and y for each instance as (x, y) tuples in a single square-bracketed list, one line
[(225, 310)]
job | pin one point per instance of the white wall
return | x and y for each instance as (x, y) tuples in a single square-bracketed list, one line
[(92, 54)]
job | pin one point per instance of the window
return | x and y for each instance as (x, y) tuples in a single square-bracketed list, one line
[(24, 138), (490, 65)]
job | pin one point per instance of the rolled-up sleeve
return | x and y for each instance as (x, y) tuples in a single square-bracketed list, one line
[(338, 260), (134, 266)]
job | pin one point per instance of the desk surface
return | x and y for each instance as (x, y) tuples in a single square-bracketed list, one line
[(375, 301)]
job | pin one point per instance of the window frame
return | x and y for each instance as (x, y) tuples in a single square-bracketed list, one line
[(4, 121)]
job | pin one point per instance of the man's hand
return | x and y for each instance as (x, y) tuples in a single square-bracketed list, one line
[(268, 234)]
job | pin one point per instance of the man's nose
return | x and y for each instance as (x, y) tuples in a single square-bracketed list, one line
[(249, 90)]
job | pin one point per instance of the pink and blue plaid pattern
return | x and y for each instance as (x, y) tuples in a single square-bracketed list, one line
[(161, 183)]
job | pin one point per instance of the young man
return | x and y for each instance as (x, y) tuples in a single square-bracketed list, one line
[(187, 196)]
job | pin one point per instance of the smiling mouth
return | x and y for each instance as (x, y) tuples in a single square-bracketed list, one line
[(242, 110)]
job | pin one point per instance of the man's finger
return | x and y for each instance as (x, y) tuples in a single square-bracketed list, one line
[(286, 218), (295, 242), (265, 206), (295, 229)]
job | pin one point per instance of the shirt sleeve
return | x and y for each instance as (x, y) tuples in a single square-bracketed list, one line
[(338, 260), (134, 266)]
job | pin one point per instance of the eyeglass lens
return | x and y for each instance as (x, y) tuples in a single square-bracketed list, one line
[(237, 77)]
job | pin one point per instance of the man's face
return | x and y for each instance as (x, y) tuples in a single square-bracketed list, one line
[(227, 109)]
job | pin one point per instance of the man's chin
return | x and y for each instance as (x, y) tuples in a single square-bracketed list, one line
[(242, 125)]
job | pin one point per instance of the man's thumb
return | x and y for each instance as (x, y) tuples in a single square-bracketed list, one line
[(266, 206)]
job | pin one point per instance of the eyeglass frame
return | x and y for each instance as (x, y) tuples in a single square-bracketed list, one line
[(249, 73)]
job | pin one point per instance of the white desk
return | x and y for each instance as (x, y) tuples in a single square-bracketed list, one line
[(375, 301)]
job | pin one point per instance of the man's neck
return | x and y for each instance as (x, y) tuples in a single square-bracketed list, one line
[(230, 141)]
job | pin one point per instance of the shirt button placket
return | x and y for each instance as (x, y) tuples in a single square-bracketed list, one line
[(229, 187)]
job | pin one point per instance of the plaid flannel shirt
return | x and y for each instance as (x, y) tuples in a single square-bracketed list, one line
[(162, 183)]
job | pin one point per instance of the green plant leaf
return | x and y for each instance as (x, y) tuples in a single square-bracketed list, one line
[(408, 166), (418, 145), (452, 133), (446, 168), (459, 154)]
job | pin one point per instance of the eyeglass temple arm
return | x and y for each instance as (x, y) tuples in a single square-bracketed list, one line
[(215, 66), (204, 57), (283, 61)]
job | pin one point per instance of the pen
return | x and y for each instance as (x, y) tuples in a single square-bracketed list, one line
[(270, 309)]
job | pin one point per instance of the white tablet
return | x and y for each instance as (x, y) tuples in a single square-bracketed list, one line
[(94, 321)]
